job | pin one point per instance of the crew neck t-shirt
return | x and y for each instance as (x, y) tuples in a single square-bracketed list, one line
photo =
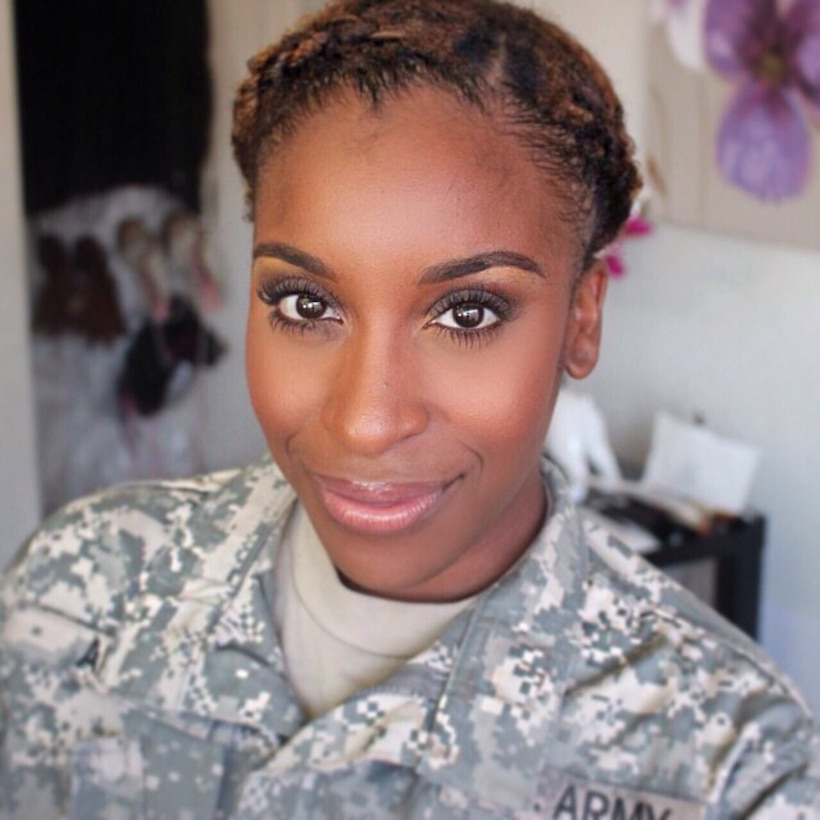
[(336, 640)]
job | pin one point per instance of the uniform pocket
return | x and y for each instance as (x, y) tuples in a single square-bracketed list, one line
[(41, 637), (153, 771)]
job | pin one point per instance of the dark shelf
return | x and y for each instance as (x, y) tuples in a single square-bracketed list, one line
[(737, 550)]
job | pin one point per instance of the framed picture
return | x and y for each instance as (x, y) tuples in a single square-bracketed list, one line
[(734, 117)]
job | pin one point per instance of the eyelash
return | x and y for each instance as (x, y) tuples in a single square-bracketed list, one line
[(273, 291), (499, 305)]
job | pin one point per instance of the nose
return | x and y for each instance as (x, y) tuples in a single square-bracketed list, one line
[(375, 400)]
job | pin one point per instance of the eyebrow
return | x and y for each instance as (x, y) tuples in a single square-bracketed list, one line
[(443, 272), (293, 256), (456, 268)]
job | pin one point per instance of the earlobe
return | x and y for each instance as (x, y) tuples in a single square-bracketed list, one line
[(584, 328)]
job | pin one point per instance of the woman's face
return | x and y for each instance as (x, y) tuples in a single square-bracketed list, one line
[(411, 312)]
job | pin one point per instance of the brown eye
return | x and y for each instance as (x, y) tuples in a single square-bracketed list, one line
[(305, 307), (468, 316), (309, 307)]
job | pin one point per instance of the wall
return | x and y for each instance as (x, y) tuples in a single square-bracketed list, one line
[(726, 328), (19, 504)]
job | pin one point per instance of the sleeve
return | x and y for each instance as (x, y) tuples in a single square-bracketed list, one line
[(774, 768), (798, 796), (65, 591), (44, 599)]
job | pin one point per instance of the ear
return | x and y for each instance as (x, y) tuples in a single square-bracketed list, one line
[(583, 338)]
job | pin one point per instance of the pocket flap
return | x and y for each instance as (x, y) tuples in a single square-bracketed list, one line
[(37, 635)]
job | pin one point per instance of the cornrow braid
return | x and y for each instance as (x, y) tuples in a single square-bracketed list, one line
[(493, 55)]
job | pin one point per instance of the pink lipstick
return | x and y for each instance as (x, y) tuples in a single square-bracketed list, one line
[(379, 507)]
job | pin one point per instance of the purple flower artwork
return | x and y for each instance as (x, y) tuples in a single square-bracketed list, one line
[(772, 54)]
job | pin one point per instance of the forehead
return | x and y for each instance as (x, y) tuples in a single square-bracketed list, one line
[(424, 170)]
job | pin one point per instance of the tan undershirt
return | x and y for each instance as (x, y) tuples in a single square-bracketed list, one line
[(335, 640)]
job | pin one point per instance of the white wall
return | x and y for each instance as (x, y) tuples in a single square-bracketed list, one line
[(726, 328), (19, 496)]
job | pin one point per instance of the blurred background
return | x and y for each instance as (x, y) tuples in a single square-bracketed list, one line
[(703, 323)]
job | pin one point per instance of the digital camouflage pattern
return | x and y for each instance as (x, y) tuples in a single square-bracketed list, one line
[(141, 677)]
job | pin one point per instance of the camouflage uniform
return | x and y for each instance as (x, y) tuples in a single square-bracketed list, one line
[(141, 676)]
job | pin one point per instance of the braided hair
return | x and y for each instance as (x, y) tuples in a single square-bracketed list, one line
[(505, 60)]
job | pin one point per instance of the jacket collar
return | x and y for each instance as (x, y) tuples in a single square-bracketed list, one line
[(188, 594)]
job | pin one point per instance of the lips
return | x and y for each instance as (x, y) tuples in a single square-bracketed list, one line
[(379, 507)]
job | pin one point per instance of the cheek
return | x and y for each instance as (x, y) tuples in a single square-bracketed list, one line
[(501, 400), (282, 389)]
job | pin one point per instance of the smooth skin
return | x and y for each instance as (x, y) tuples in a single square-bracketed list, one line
[(415, 298)]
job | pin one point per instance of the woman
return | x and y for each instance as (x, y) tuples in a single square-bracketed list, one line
[(401, 614)]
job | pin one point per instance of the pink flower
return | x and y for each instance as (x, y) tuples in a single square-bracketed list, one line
[(763, 143), (636, 225)]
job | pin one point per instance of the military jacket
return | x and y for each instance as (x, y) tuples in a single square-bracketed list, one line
[(141, 677)]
